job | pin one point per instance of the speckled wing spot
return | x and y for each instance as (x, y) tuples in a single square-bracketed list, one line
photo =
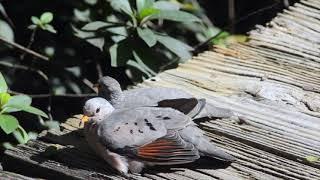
[(150, 125), (116, 130), (166, 118)]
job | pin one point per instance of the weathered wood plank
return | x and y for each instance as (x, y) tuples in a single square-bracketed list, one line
[(67, 155)]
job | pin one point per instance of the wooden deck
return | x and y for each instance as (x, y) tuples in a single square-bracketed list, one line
[(272, 83)]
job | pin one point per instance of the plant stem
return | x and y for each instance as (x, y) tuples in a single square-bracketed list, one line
[(24, 49), (30, 42)]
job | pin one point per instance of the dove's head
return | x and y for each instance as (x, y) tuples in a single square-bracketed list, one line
[(107, 85), (96, 109)]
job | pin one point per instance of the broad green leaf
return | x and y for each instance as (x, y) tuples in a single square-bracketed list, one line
[(147, 36), (113, 50), (134, 64), (21, 135), (93, 26), (35, 20), (166, 5), (82, 15), (91, 2), (35, 111), (178, 16), (122, 5), (143, 4), (4, 98), (8, 123), (17, 103), (6, 31), (3, 11), (7, 145), (46, 17), (50, 28), (142, 64), (148, 12), (3, 84), (120, 53), (90, 37), (177, 47)]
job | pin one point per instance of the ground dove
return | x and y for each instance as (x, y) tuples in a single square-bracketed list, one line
[(110, 89), (131, 139)]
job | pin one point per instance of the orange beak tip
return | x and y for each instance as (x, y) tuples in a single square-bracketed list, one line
[(84, 118)]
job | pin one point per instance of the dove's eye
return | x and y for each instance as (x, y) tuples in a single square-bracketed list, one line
[(97, 110)]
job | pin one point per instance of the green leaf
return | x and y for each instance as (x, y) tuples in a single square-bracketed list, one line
[(120, 53), (8, 123), (82, 15), (147, 36), (312, 159), (6, 31), (35, 111), (90, 37), (145, 13), (32, 26), (7, 145), (135, 64), (143, 4), (17, 103), (121, 5), (35, 20), (3, 84), (177, 47), (113, 50), (166, 5), (4, 98), (178, 16), (21, 135), (49, 28), (93, 26), (3, 11), (142, 64), (46, 17)]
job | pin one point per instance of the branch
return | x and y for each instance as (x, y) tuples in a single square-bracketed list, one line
[(49, 95), (17, 66), (24, 49)]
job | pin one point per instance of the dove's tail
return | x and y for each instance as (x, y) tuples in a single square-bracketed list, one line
[(196, 136), (208, 149)]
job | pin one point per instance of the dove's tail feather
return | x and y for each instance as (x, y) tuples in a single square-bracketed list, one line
[(208, 149)]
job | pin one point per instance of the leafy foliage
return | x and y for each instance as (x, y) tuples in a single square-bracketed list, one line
[(136, 26), (43, 22), (8, 104)]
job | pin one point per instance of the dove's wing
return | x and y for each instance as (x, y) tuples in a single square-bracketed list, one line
[(148, 134), (151, 96)]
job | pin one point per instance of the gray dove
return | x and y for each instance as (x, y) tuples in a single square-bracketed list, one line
[(131, 139), (110, 89)]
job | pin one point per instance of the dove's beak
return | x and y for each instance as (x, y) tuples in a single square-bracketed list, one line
[(84, 118)]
